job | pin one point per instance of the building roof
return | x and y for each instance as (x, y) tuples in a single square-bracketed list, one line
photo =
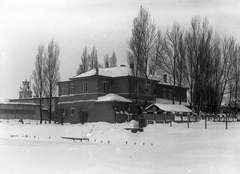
[(112, 97), (108, 72), (18, 103), (170, 107)]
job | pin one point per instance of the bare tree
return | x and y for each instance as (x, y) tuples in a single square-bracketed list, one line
[(157, 57), (39, 77), (84, 66), (141, 42), (52, 72), (230, 74), (198, 44), (141, 45), (113, 60), (172, 59), (237, 76), (93, 59)]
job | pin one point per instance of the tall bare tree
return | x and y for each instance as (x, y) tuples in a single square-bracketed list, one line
[(52, 72), (237, 76), (39, 77), (230, 56), (141, 44), (113, 60), (93, 59), (198, 44), (172, 60), (84, 66)]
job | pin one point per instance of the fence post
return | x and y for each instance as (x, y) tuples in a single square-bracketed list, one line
[(227, 121), (205, 121)]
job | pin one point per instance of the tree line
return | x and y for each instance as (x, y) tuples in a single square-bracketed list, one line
[(90, 61), (46, 73), (196, 58)]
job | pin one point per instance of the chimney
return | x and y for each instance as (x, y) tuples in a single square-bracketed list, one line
[(97, 70)]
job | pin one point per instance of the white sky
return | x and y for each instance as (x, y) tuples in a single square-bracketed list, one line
[(75, 24)]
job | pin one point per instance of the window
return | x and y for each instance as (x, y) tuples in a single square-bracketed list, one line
[(64, 89), (105, 87), (72, 111), (164, 93), (72, 88), (85, 87)]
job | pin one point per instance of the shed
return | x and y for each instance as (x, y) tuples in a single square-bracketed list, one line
[(167, 108)]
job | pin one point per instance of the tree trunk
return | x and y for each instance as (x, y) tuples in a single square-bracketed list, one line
[(40, 109), (50, 104)]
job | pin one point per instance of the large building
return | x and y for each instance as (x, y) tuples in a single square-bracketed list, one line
[(101, 94), (111, 95)]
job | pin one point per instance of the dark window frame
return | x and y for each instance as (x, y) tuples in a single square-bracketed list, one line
[(85, 87), (71, 88), (105, 86)]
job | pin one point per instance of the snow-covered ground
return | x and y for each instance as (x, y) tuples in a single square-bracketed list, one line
[(33, 148)]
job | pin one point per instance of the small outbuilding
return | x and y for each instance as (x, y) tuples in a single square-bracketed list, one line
[(157, 107), (13, 110), (164, 112)]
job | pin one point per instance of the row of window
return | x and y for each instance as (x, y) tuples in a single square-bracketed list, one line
[(64, 88), (18, 111), (170, 95), (141, 89), (66, 91)]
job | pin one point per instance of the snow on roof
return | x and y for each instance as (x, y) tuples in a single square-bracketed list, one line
[(112, 97), (171, 107), (76, 101), (109, 72), (18, 103)]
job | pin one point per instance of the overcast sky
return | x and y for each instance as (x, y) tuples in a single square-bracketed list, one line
[(106, 24)]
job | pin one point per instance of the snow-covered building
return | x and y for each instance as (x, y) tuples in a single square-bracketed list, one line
[(110, 94), (14, 110), (28, 101)]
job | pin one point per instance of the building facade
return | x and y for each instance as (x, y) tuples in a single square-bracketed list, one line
[(80, 95), (13, 110)]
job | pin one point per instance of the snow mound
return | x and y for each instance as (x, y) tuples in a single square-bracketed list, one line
[(112, 97)]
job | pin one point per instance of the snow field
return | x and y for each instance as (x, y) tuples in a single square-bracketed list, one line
[(175, 149)]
